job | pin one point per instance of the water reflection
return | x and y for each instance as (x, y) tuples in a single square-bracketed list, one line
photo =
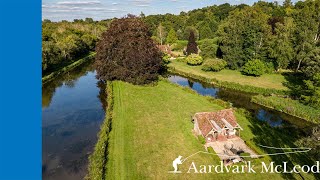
[(241, 100), (71, 116)]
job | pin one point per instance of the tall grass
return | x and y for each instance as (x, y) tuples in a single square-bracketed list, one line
[(98, 159), (289, 106)]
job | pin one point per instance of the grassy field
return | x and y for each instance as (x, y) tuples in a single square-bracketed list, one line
[(272, 81), (151, 126)]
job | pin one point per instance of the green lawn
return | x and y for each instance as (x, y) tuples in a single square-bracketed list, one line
[(151, 126), (272, 81)]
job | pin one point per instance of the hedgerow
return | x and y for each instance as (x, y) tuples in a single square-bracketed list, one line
[(98, 159), (289, 106)]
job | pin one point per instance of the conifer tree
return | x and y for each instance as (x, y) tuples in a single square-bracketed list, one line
[(192, 45)]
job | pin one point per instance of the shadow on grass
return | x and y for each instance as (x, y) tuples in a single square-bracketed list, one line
[(281, 137), (294, 82)]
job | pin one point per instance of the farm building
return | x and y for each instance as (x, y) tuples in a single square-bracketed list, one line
[(216, 126)]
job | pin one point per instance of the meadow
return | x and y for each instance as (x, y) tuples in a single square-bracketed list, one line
[(151, 126)]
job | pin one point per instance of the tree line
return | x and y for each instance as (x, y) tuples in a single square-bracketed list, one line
[(268, 36), (63, 42), (281, 36)]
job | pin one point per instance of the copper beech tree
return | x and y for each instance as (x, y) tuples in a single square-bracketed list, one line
[(126, 52)]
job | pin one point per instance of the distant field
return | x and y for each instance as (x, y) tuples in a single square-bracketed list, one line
[(151, 126), (273, 81)]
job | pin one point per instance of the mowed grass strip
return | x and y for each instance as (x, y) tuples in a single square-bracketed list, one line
[(272, 81), (152, 125)]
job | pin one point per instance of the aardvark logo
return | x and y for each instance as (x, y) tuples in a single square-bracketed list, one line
[(175, 164)]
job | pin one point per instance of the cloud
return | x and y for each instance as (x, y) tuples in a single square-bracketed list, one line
[(114, 3), (141, 2), (143, 5), (78, 2)]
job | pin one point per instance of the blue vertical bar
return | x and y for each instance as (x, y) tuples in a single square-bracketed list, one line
[(20, 89)]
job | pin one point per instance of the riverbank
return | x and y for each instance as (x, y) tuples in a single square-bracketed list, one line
[(289, 106), (266, 84), (151, 126), (98, 159), (65, 69)]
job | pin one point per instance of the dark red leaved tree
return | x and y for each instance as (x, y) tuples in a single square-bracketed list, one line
[(126, 52)]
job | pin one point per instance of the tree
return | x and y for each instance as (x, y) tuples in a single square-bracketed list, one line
[(208, 48), (67, 45), (161, 33), (126, 52), (312, 63), (287, 3), (190, 29), (89, 20), (172, 36), (307, 28), (244, 35), (142, 15), (205, 31), (192, 47), (282, 49), (311, 94)]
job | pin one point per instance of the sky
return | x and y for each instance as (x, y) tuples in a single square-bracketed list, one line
[(57, 10)]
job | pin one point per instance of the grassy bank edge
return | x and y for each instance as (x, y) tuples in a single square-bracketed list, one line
[(229, 85), (98, 159), (288, 106), (65, 69)]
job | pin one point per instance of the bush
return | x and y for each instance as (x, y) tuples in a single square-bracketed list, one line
[(179, 45), (194, 60), (214, 65), (254, 68), (166, 59), (208, 48)]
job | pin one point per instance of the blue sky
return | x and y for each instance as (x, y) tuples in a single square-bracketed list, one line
[(57, 10)]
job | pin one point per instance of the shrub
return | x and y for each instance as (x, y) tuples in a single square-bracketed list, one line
[(254, 68), (214, 65), (194, 60), (208, 48), (166, 59)]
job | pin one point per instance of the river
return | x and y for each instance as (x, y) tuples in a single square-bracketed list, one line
[(73, 108), (72, 111)]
